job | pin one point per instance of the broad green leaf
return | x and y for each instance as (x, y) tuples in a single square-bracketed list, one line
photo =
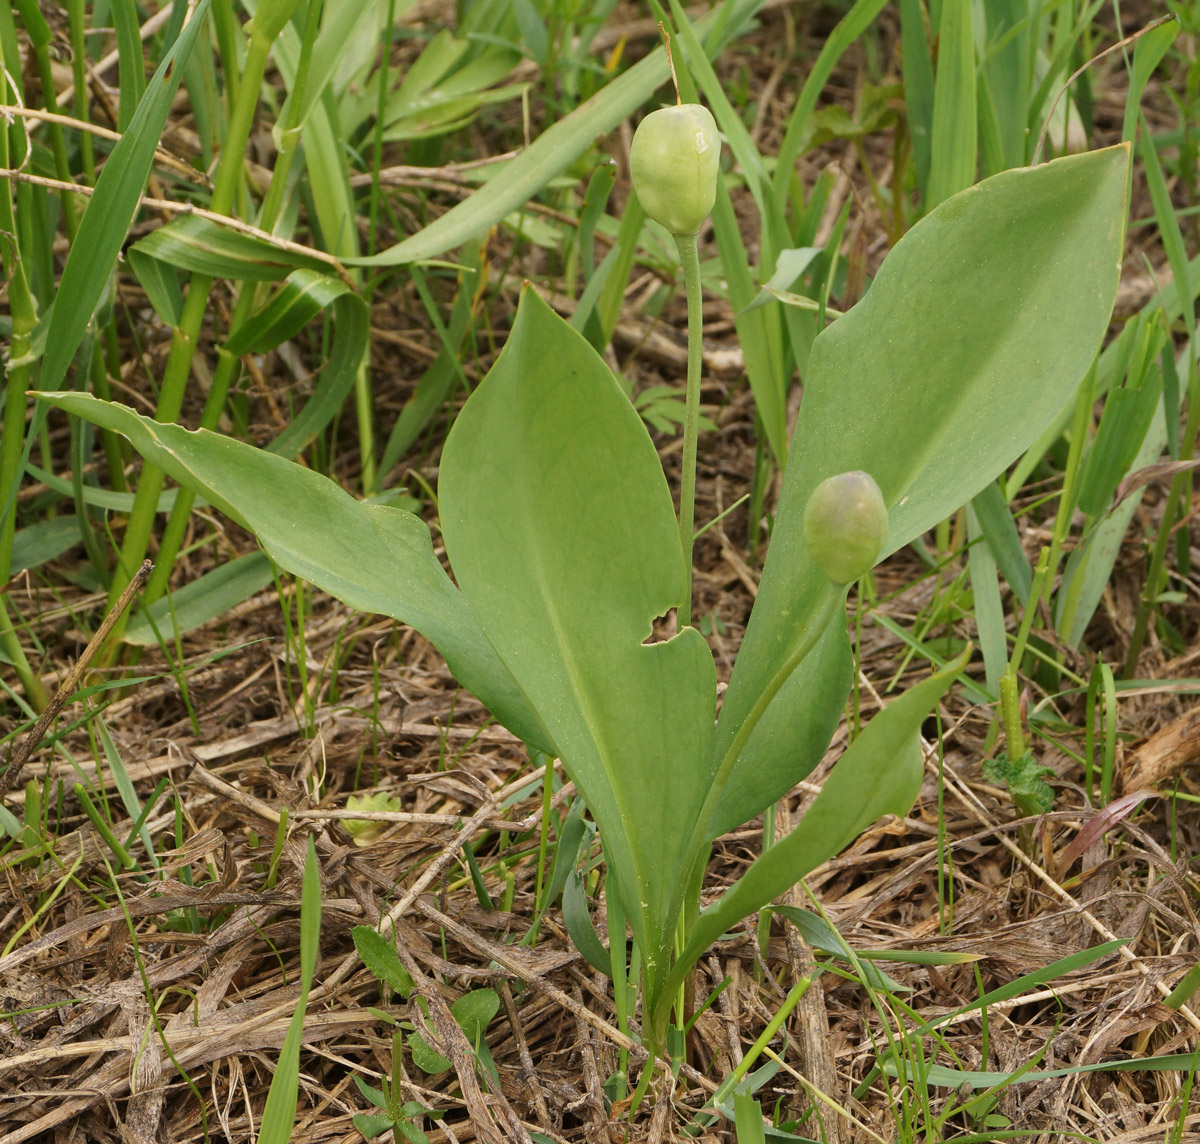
[(561, 531), (969, 341), (425, 1057), (879, 773), (200, 602), (374, 557), (110, 210), (373, 1094), (372, 1124), (792, 737)]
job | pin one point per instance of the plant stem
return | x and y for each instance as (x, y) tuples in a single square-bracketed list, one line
[(834, 598), (228, 366), (689, 258), (186, 335), (1010, 710), (23, 311)]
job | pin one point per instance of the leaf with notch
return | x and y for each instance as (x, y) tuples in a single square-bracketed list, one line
[(562, 534)]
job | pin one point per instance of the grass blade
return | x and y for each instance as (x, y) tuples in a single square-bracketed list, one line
[(106, 221), (279, 1115)]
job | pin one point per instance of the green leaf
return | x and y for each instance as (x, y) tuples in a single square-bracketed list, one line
[(303, 295), (106, 221), (1000, 531), (1025, 778), (579, 926), (1147, 55), (426, 1058), (372, 1124), (1007, 75), (279, 1113), (941, 1076), (955, 126), (270, 18), (339, 27), (205, 247), (380, 958), (562, 535), (371, 1093), (43, 541), (160, 280), (747, 1116), (969, 341), (474, 1011), (373, 557), (879, 773), (918, 86), (97, 497)]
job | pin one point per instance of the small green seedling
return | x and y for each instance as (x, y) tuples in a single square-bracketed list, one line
[(1025, 779), (396, 1114), (473, 1011)]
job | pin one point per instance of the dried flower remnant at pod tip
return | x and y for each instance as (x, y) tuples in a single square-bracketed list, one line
[(674, 160), (846, 525)]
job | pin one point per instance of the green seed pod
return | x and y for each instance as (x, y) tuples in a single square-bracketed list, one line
[(846, 525), (674, 160)]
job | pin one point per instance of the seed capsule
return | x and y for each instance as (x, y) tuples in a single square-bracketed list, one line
[(846, 525), (674, 159)]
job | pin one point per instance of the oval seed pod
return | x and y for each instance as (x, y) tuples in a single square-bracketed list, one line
[(674, 159), (846, 525)]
